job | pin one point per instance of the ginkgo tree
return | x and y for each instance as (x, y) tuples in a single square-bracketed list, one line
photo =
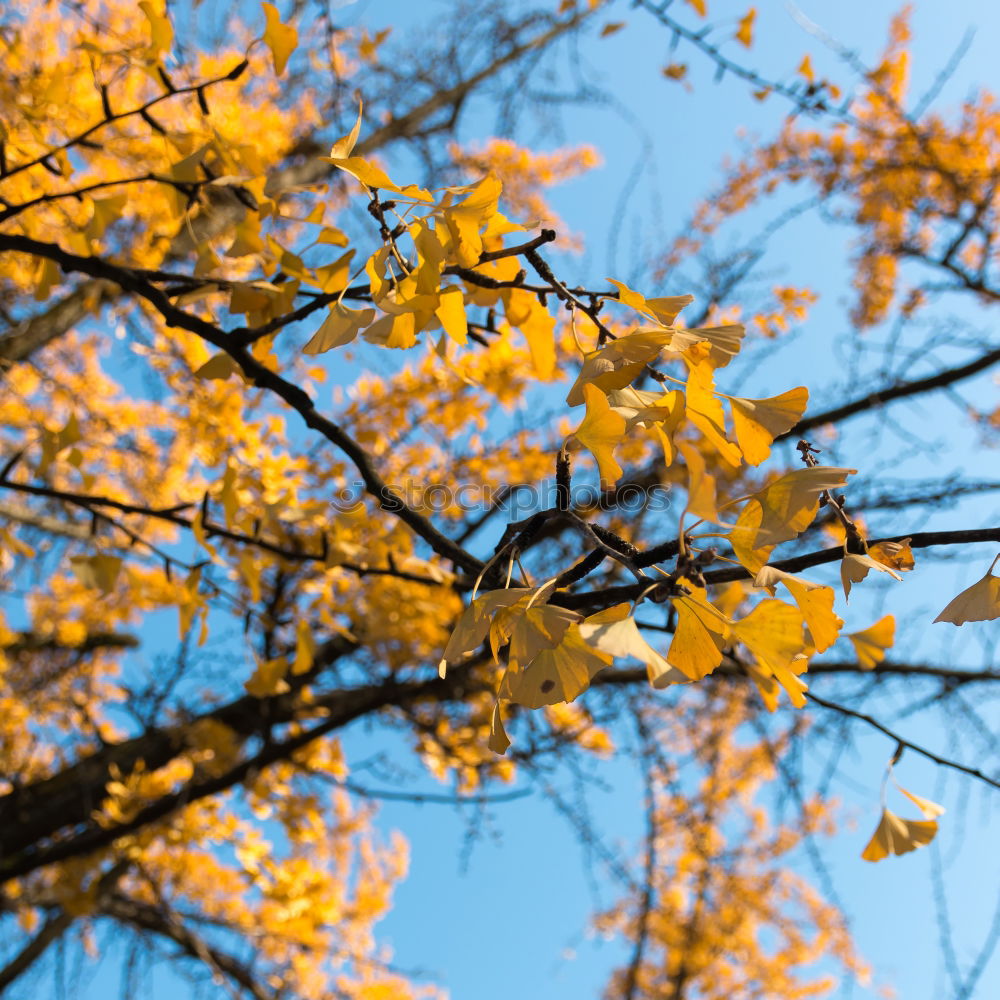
[(197, 238)]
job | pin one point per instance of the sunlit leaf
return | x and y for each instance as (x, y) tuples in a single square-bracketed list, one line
[(744, 31), (895, 835), (978, 603), (618, 364), (451, 313), (160, 28), (554, 675), (930, 810), (854, 568), (340, 327), (814, 600), (773, 632), (758, 422), (895, 555), (782, 511), (600, 432), (614, 631), (701, 635), (871, 643), (280, 38)]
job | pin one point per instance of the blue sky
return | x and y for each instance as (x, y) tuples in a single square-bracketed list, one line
[(499, 919)]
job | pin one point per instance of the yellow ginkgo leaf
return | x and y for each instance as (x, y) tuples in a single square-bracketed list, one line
[(344, 146), (280, 38), (537, 325), (160, 28), (704, 410), (722, 343), (871, 643), (498, 741), (600, 432), (554, 675), (744, 31), (895, 835), (464, 221), (854, 568), (767, 686), (530, 630), (659, 412), (474, 623), (805, 68), (815, 601), (305, 648), (332, 278), (663, 310), (451, 313), (701, 634), (618, 364), (701, 485), (268, 678), (219, 366), (646, 406), (895, 555), (930, 810), (772, 631), (782, 511), (758, 422), (615, 632), (978, 603), (373, 176), (99, 571), (340, 327)]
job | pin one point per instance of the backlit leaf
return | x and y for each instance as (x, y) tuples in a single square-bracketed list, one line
[(895, 555), (600, 432), (554, 675), (978, 603), (744, 31), (758, 422), (931, 810), (701, 635), (871, 643), (498, 741), (614, 631), (782, 511), (895, 835), (854, 568), (280, 38), (340, 327), (814, 600)]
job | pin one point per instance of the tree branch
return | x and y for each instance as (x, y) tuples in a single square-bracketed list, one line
[(901, 741), (890, 393)]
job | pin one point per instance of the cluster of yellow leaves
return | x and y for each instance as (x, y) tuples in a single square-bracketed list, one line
[(708, 921), (548, 659), (149, 220), (525, 175), (903, 184), (307, 892)]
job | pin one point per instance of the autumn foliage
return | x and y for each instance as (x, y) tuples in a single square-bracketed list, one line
[(243, 341)]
